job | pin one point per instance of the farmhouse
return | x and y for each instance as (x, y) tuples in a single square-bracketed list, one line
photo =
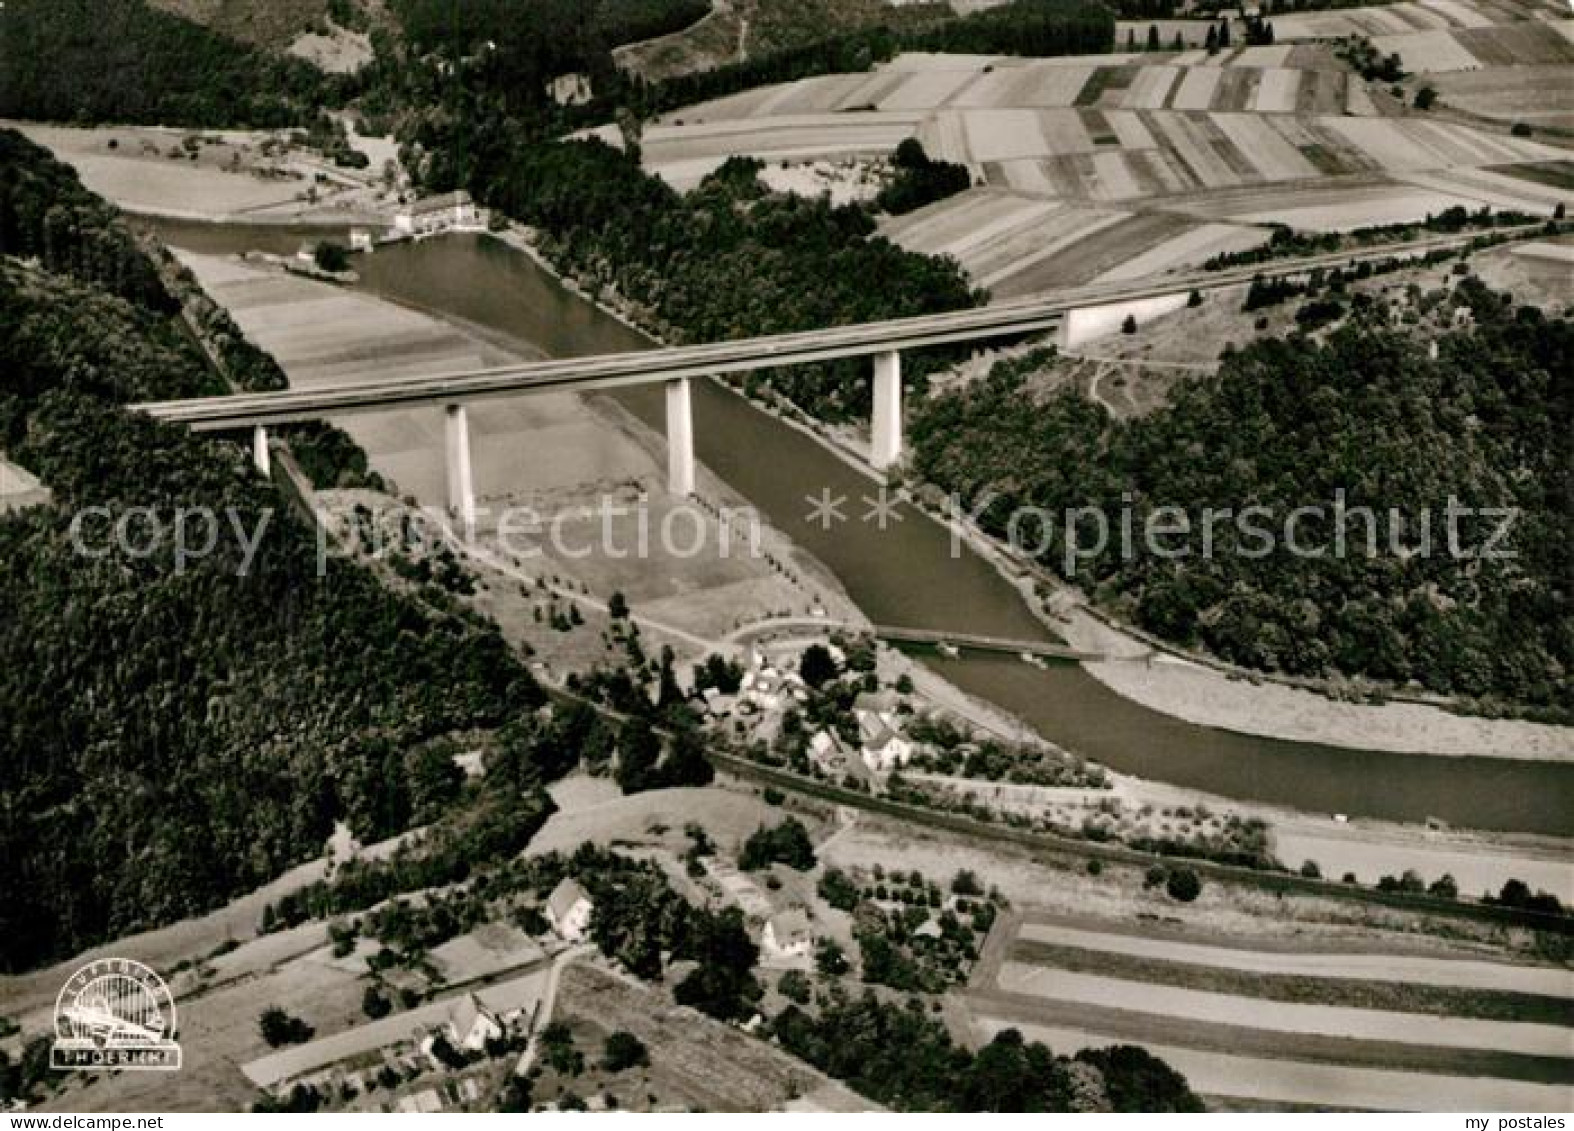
[(568, 910), (787, 934), (450, 212)]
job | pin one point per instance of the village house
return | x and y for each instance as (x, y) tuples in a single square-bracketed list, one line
[(568, 910), (769, 688), (468, 1027), (880, 738), (450, 212), (787, 935), (827, 753)]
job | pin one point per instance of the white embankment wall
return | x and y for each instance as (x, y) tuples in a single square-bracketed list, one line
[(1088, 323)]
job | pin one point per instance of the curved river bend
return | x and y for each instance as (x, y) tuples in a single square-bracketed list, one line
[(907, 575)]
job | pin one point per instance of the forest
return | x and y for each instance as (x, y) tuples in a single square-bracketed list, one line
[(1289, 422), (89, 61), (178, 731), (727, 260)]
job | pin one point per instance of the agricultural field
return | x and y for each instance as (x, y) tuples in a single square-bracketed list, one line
[(1016, 244), (1364, 1021), (1109, 167), (1407, 17), (1537, 96)]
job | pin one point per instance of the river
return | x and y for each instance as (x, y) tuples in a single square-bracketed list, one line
[(908, 574)]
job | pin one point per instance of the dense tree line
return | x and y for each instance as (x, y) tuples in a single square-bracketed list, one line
[(46, 214), (88, 61), (175, 731), (920, 180), (1023, 27), (1290, 422), (903, 1057)]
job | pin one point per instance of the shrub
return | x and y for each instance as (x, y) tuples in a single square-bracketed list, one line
[(794, 985), (280, 1028), (1183, 885), (624, 1050)]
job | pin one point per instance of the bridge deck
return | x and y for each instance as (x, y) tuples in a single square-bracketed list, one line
[(1041, 648), (997, 320)]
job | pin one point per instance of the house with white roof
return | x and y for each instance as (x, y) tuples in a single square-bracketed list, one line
[(787, 935)]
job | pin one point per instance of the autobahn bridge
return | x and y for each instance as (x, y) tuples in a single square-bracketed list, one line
[(1076, 313)]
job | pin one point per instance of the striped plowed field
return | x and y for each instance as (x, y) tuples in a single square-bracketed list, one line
[(1380, 1026)]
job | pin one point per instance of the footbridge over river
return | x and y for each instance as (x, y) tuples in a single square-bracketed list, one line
[(892, 634), (1076, 313)]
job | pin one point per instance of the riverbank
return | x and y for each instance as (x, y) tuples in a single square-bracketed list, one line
[(1148, 674)]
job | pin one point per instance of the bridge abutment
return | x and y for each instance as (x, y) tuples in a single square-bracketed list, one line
[(1084, 324), (886, 433), (460, 472), (680, 438)]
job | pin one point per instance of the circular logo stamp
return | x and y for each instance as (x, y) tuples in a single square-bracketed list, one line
[(115, 1013)]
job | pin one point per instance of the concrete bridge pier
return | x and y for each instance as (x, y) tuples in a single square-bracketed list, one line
[(680, 438), (259, 450), (460, 474), (886, 448)]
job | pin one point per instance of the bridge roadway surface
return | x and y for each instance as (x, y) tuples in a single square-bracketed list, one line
[(1004, 319)]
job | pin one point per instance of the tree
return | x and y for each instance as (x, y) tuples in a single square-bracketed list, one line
[(558, 1051), (1129, 326), (623, 1051), (618, 606), (279, 1028), (838, 889), (817, 666), (794, 985), (332, 257), (686, 763), (1425, 98), (375, 1003), (1213, 40), (1444, 887), (965, 882), (830, 959), (788, 843), (1153, 37), (1183, 885), (1136, 1080), (639, 751)]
